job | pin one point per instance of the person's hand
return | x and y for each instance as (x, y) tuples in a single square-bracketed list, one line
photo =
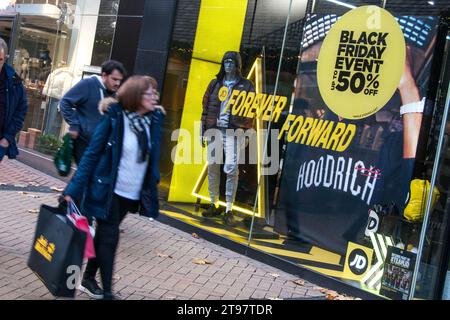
[(4, 143), (74, 134), (161, 108), (68, 198)]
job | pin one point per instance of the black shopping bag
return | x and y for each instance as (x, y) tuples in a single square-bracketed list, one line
[(57, 252)]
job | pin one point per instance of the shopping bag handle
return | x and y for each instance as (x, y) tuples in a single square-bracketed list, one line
[(72, 208)]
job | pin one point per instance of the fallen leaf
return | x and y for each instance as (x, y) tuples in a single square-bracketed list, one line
[(201, 261), (330, 297), (274, 275), (22, 192), (196, 236), (33, 211), (117, 277), (57, 189), (162, 255), (299, 282)]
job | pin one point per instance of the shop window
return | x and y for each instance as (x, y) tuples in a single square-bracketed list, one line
[(434, 270), (53, 46), (202, 34), (334, 226), (344, 199)]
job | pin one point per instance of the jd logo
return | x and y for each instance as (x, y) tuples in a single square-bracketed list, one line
[(372, 223), (358, 261)]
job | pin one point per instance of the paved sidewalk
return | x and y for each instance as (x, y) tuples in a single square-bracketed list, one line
[(155, 261)]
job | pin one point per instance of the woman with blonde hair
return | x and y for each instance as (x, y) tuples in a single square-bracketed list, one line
[(119, 173)]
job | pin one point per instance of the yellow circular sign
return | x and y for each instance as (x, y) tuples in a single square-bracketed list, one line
[(361, 62), (223, 93)]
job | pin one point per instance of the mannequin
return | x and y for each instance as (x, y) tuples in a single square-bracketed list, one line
[(219, 133)]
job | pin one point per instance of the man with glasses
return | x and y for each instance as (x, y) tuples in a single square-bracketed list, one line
[(79, 106), (13, 105)]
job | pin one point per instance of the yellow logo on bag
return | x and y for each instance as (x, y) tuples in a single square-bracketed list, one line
[(45, 248)]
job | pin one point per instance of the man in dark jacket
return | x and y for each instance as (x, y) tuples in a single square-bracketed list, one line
[(13, 105), (218, 117), (79, 106)]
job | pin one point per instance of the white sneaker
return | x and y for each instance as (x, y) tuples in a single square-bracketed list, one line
[(91, 288)]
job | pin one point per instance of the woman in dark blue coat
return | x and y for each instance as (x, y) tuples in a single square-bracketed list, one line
[(119, 173)]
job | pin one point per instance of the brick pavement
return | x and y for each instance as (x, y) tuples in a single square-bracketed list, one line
[(155, 261)]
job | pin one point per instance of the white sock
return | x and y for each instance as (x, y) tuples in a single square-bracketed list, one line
[(229, 206)]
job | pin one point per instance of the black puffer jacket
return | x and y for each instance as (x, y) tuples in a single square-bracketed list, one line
[(211, 105)]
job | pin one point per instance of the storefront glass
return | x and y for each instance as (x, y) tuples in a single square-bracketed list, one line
[(52, 45), (339, 182), (433, 273), (202, 35)]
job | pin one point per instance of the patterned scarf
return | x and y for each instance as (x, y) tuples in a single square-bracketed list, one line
[(139, 125)]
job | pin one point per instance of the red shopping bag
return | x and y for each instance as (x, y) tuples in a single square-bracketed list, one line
[(81, 223)]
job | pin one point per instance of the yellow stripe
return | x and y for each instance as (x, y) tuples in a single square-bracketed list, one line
[(219, 29), (297, 255), (331, 273), (328, 255), (198, 224)]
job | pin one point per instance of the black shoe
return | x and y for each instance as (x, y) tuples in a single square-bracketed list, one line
[(229, 219), (110, 296), (91, 288), (211, 212)]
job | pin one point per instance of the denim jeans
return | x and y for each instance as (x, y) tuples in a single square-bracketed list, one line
[(230, 145)]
